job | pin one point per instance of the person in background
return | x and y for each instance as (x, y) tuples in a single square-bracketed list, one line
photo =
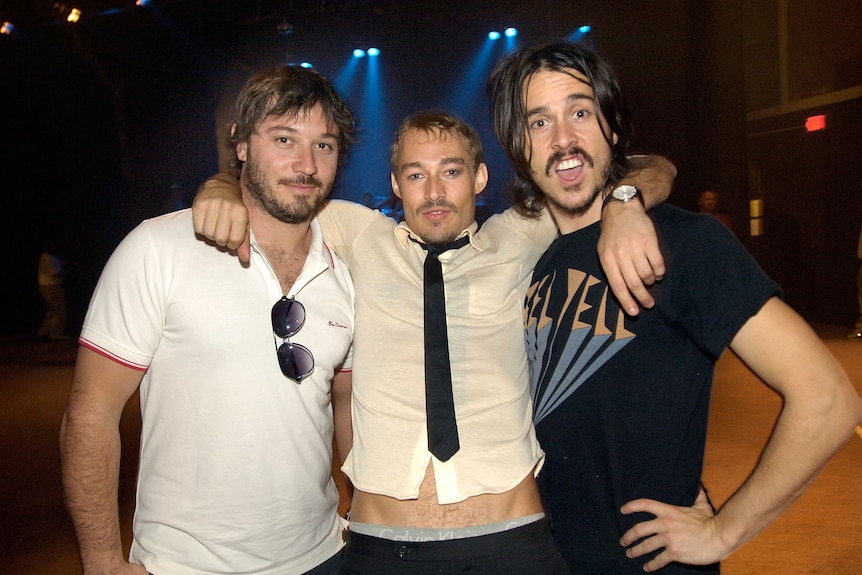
[(707, 203), (52, 292), (621, 403), (415, 509), (244, 371)]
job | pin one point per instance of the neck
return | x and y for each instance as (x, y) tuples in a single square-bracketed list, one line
[(285, 246)]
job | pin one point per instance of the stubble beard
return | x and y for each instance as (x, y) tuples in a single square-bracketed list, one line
[(584, 206), (263, 196), (438, 237), (576, 209)]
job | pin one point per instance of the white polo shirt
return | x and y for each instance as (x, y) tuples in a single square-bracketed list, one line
[(236, 458)]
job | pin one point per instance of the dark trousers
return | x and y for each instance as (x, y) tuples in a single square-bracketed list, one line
[(525, 550), (328, 567)]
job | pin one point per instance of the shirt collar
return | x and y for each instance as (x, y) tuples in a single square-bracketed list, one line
[(403, 234), (318, 248)]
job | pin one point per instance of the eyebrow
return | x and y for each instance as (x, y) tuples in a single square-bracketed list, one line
[(571, 98), (442, 162), (292, 130)]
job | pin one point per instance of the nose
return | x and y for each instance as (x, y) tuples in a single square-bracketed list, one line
[(434, 189), (564, 136), (304, 161)]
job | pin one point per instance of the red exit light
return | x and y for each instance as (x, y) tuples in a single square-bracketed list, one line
[(814, 123)]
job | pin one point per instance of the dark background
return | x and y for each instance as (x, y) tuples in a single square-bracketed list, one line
[(104, 117)]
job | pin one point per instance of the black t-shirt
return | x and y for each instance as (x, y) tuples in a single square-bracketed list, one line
[(621, 404)]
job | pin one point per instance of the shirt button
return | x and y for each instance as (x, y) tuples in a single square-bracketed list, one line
[(402, 551)]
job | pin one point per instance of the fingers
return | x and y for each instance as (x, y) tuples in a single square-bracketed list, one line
[(212, 220), (647, 534), (630, 256), (228, 224), (661, 560), (220, 215), (223, 222), (630, 278), (638, 277), (684, 534), (645, 528), (645, 548), (244, 249), (618, 285), (655, 261)]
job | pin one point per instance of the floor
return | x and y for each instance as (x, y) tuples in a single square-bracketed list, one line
[(821, 534)]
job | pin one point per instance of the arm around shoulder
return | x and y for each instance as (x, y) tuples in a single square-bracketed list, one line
[(653, 175), (220, 215), (628, 246)]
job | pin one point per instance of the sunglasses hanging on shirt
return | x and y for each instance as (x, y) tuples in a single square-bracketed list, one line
[(295, 360)]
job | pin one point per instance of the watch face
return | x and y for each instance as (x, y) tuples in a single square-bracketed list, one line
[(625, 193)]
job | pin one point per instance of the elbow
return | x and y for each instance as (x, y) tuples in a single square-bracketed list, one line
[(845, 409), (829, 411)]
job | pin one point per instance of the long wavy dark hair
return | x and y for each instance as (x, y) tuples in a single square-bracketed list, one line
[(289, 90), (509, 116)]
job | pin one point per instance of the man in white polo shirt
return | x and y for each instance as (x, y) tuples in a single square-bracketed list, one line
[(236, 366)]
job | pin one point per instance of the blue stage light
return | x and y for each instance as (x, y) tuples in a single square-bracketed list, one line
[(584, 29), (306, 65), (493, 35), (511, 32), (373, 52), (359, 53)]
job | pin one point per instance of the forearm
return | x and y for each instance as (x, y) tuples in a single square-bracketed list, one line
[(821, 409), (90, 454), (653, 176), (808, 433), (222, 184)]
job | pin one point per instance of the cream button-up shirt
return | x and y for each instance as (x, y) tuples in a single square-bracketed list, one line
[(485, 282)]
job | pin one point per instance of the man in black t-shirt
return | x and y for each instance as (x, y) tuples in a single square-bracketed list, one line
[(621, 402)]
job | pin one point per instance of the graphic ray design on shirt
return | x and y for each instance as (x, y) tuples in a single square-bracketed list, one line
[(573, 328)]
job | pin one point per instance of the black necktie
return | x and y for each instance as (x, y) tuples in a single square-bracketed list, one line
[(439, 403)]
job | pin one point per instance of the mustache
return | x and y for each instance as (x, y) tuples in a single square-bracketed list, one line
[(301, 181), (439, 203), (560, 154)]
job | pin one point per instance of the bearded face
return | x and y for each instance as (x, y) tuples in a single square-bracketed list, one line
[(289, 165), (288, 208)]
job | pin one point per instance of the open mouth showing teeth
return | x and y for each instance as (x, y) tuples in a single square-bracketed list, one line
[(569, 164)]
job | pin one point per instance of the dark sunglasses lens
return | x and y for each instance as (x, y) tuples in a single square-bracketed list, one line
[(295, 361), (288, 315)]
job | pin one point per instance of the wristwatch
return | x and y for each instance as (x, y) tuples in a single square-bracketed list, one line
[(624, 194)]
